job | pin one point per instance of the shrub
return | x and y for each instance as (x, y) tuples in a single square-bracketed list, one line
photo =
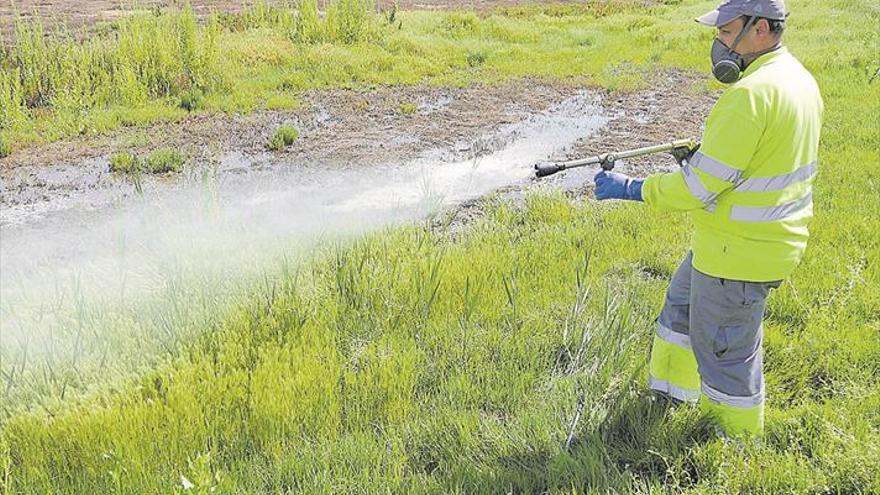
[(283, 137)]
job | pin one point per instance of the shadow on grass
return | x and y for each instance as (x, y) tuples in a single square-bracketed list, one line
[(647, 442)]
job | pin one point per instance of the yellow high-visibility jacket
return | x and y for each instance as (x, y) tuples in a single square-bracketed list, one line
[(749, 187)]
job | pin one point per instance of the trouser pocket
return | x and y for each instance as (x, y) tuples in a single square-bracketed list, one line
[(736, 342)]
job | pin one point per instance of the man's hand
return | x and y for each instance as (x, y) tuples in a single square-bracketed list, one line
[(613, 185), (684, 155)]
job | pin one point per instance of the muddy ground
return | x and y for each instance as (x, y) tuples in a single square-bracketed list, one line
[(341, 128)]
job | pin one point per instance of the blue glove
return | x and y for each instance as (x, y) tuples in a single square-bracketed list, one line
[(612, 185)]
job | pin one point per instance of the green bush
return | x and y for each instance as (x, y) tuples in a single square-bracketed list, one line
[(5, 148), (283, 137)]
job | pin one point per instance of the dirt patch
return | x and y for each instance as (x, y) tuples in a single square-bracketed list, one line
[(672, 110), (336, 126)]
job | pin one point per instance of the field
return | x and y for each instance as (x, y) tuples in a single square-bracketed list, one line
[(494, 344)]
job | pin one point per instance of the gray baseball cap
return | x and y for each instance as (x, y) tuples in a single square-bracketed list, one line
[(731, 9)]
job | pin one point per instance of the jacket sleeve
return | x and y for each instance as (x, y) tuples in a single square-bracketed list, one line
[(731, 136)]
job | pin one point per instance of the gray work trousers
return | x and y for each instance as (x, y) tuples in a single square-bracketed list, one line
[(720, 320)]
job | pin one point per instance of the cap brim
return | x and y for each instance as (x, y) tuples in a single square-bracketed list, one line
[(717, 18)]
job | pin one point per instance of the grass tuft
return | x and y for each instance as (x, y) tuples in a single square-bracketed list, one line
[(408, 108), (125, 163), (160, 161), (164, 160), (283, 137)]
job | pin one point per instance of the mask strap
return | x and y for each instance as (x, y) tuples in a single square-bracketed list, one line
[(743, 32)]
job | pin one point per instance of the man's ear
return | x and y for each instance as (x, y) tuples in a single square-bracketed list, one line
[(762, 27)]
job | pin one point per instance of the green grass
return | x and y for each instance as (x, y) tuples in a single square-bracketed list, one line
[(452, 361), (283, 137), (164, 160), (408, 108), (125, 163)]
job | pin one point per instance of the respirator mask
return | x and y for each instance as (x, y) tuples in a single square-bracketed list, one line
[(727, 65)]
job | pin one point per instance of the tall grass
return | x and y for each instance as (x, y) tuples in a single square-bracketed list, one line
[(52, 86), (148, 57), (349, 21)]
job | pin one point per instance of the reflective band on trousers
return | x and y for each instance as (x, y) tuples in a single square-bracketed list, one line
[(673, 338), (778, 182), (770, 213), (715, 168), (695, 186), (679, 393), (732, 400)]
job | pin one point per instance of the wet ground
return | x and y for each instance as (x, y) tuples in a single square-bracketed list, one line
[(339, 129)]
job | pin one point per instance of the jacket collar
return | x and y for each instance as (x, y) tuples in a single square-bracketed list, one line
[(763, 59)]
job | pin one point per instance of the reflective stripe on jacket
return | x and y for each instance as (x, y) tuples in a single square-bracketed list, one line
[(749, 187)]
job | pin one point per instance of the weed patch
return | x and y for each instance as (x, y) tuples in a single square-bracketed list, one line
[(475, 59), (408, 108), (192, 99), (161, 161), (283, 137), (164, 160), (5, 147), (125, 163)]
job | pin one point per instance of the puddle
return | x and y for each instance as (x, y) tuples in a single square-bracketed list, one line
[(113, 254)]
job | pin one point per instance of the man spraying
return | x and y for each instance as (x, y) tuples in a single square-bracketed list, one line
[(749, 191)]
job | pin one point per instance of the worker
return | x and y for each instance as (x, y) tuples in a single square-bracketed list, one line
[(748, 188)]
